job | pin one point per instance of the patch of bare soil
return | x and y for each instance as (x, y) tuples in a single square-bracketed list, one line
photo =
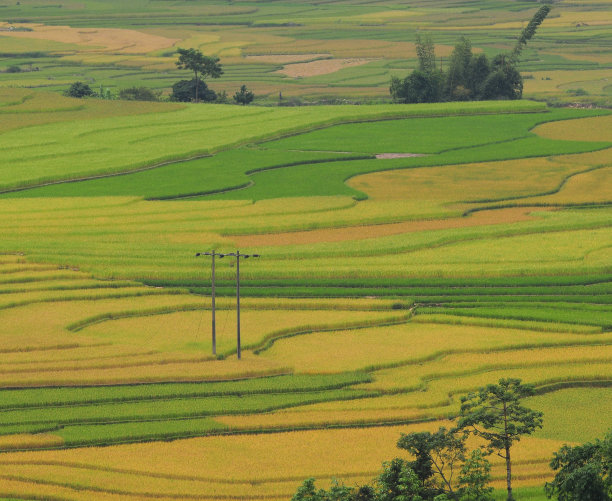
[(385, 156), (481, 218), (320, 67)]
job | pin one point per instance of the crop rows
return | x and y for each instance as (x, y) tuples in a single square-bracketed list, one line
[(376, 303)]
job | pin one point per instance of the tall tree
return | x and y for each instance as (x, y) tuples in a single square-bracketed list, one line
[(201, 65), (425, 53), (495, 413), (478, 72), (458, 69), (528, 32)]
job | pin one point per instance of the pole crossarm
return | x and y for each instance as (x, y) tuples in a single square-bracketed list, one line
[(237, 255)]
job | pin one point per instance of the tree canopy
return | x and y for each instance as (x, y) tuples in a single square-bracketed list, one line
[(244, 96), (495, 414), (201, 65), (584, 472), (468, 76), (184, 90), (79, 89)]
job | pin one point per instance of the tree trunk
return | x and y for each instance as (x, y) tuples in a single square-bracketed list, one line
[(196, 92), (508, 473)]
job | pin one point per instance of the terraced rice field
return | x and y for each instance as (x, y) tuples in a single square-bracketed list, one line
[(386, 289)]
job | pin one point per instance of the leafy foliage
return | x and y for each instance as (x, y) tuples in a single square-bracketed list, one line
[(438, 453), (244, 96), (139, 94), (474, 478), (184, 90), (79, 89), (201, 65), (468, 77), (398, 482), (584, 472), (495, 413), (529, 31)]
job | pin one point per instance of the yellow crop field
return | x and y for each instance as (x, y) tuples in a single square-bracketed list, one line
[(130, 334), (447, 390), (281, 456), (182, 330), (98, 39), (341, 234), (176, 468), (46, 106), (30, 441), (532, 325), (548, 81), (589, 187), (407, 342), (583, 129), (458, 183), (464, 364), (595, 159), (322, 415)]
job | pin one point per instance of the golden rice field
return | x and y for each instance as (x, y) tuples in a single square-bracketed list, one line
[(115, 41)]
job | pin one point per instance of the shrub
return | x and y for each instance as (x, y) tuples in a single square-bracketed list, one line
[(244, 96), (139, 94), (184, 91), (79, 89)]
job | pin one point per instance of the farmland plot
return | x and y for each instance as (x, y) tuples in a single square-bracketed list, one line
[(386, 289)]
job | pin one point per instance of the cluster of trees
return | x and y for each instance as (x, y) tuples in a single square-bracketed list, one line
[(80, 89), (469, 76), (194, 90), (443, 470)]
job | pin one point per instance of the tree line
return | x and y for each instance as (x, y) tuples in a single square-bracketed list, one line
[(194, 90), (442, 469), (469, 76)]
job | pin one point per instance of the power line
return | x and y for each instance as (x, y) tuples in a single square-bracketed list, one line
[(238, 256)]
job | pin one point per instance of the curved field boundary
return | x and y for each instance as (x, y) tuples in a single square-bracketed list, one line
[(266, 342), (254, 171), (170, 476), (163, 310), (270, 339), (480, 108), (117, 295), (101, 176), (441, 354), (348, 232), (458, 112), (235, 388), (542, 194), (122, 492), (65, 346)]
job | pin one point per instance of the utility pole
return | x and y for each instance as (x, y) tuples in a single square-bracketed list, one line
[(214, 329), (237, 255)]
